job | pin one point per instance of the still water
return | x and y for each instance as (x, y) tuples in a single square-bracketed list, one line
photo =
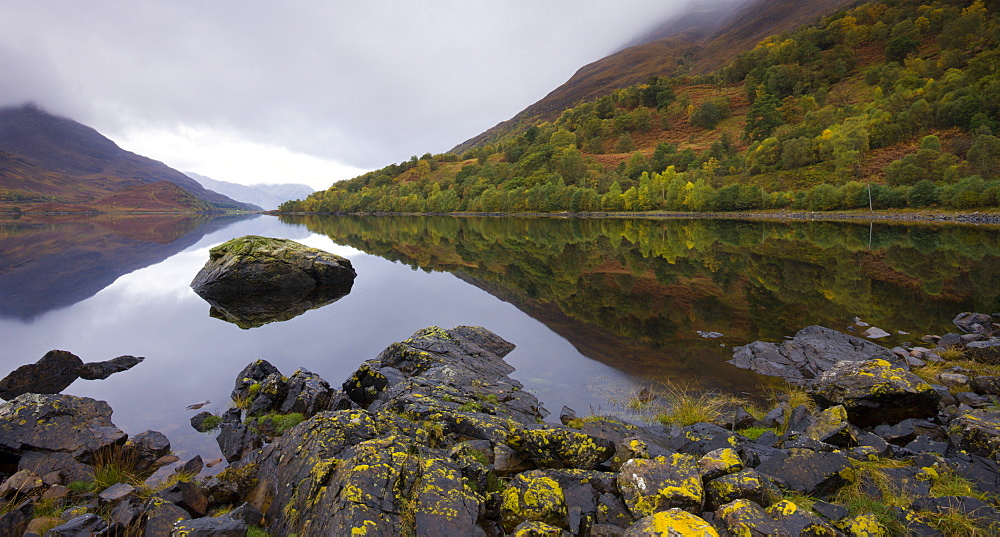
[(596, 307)]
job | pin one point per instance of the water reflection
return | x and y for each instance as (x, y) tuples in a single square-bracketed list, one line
[(50, 262), (635, 293), (252, 311)]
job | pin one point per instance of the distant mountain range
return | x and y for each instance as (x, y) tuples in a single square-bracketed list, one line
[(265, 196), (52, 163)]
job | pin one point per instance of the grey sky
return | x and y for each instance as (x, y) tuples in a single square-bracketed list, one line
[(335, 87)]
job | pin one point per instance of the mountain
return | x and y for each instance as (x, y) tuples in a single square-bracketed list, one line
[(882, 105), (266, 196), (695, 43), (50, 161)]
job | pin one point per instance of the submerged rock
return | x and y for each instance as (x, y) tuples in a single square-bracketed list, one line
[(813, 350), (103, 370), (255, 280)]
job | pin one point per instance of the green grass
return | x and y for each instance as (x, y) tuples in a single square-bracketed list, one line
[(951, 354), (754, 433), (82, 487), (281, 422), (254, 531), (113, 466), (685, 405), (212, 422)]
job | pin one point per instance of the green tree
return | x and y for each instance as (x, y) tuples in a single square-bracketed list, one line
[(762, 118)]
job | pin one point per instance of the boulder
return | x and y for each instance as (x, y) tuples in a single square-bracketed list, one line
[(832, 427), (103, 370), (51, 374), (146, 448), (974, 323), (211, 527), (307, 394), (748, 484), (813, 350), (798, 521), (875, 391), (564, 448), (534, 497), (253, 280), (161, 515), (987, 352), (976, 432), (671, 522), (744, 517), (720, 462), (815, 473), (88, 524), (77, 426), (651, 485)]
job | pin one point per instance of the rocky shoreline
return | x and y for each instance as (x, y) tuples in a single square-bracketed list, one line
[(433, 437)]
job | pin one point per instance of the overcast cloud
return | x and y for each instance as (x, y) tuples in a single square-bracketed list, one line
[(301, 91)]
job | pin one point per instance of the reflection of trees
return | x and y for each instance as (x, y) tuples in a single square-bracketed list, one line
[(659, 281)]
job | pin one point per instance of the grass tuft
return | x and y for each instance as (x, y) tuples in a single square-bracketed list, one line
[(115, 465), (685, 405), (951, 354)]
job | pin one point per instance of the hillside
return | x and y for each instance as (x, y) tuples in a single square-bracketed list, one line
[(695, 43), (266, 196), (46, 159), (882, 105)]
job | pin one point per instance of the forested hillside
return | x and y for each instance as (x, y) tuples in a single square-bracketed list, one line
[(888, 104)]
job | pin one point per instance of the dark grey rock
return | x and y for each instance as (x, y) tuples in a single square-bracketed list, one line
[(198, 422), (116, 492), (972, 399), (567, 415), (81, 526), (65, 423), (815, 473), (248, 514), (812, 351), (126, 513), (798, 521), (211, 527), (831, 511), (950, 340), (987, 352), (976, 431), (775, 418), (236, 439), (51, 374), (923, 444), (187, 496), (307, 394), (103, 370), (986, 385), (193, 466), (161, 515), (913, 523), (741, 419), (254, 373), (974, 323), (272, 393), (16, 520), (146, 448)]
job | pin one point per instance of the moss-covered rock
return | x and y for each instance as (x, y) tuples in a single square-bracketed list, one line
[(876, 391), (671, 523), (651, 485), (863, 525)]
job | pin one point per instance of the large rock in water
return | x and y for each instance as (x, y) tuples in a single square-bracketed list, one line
[(55, 371), (813, 350), (254, 264), (253, 280)]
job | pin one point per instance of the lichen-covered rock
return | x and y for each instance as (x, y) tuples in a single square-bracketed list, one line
[(832, 427), (78, 426), (815, 473), (564, 448), (652, 485), (866, 524), (977, 431), (161, 516), (876, 391), (813, 350), (798, 521), (744, 517), (986, 385), (307, 394), (538, 529), (269, 395), (748, 484), (252, 265), (720, 462), (671, 523), (23, 483), (534, 496)]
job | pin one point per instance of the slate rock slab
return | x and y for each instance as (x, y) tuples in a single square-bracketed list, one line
[(64, 423), (815, 473), (813, 350)]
